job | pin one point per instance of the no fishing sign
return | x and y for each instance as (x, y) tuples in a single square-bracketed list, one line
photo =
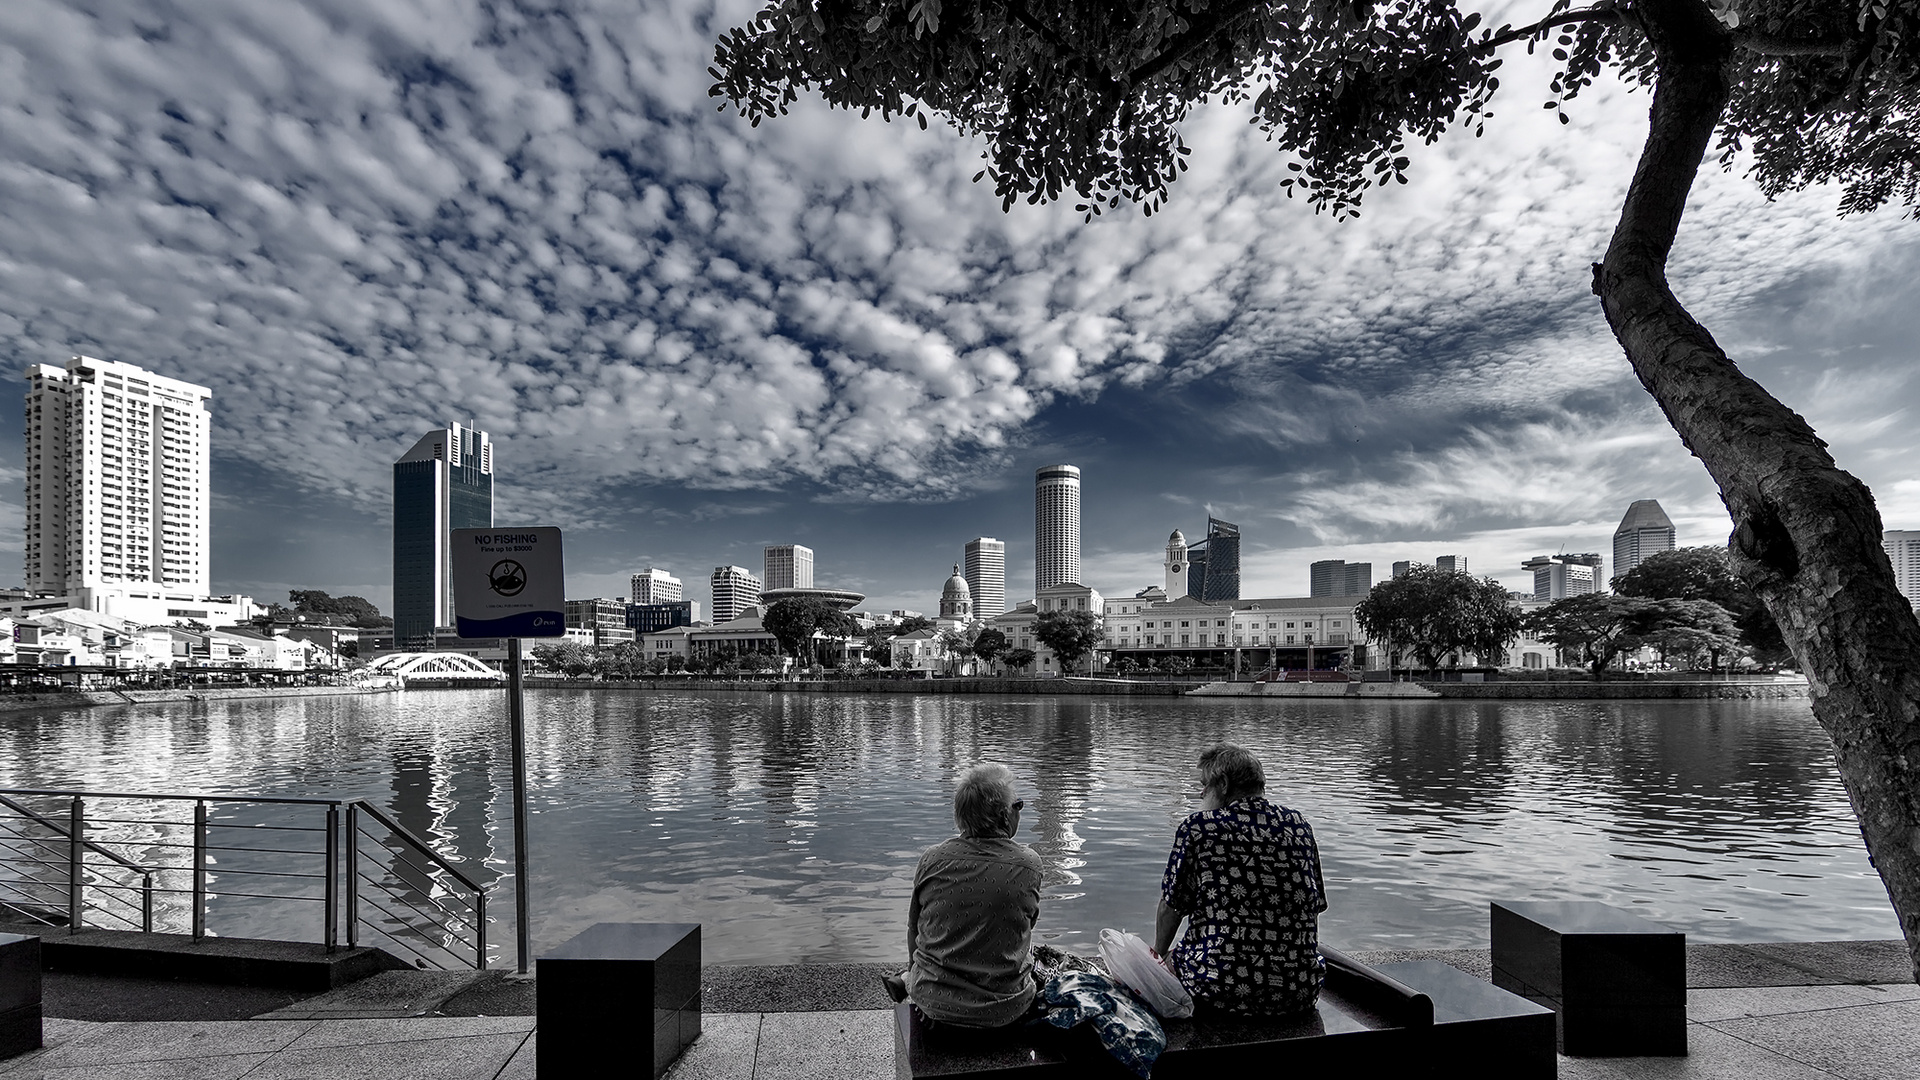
[(508, 583)]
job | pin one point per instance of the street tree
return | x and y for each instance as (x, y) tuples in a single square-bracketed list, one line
[(1597, 626), (989, 644), (1070, 634), (1021, 659), (566, 655), (1690, 629), (794, 621), (1083, 99), (955, 647), (1704, 573), (1433, 613)]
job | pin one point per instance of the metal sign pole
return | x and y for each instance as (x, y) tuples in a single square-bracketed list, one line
[(516, 719)]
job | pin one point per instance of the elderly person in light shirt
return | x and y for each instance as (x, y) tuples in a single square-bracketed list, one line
[(970, 922)]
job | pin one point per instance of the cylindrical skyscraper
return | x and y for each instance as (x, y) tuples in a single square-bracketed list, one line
[(1056, 526)]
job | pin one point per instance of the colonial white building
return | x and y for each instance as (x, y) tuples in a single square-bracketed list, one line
[(1018, 624)]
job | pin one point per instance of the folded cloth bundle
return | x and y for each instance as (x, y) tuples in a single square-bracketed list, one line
[(1130, 1032)]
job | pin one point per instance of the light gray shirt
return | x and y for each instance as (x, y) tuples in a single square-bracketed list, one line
[(970, 930)]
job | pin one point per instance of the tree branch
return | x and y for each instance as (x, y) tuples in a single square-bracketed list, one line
[(1196, 35), (1565, 18), (1773, 46)]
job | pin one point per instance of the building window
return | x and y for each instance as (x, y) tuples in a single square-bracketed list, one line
[(1183, 639), (1183, 625), (1289, 636)]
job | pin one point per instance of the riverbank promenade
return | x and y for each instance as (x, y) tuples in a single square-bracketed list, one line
[(1792, 1011)]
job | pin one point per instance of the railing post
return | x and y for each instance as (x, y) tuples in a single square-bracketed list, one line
[(146, 903), (199, 869), (76, 869), (353, 876), (480, 929), (333, 876)]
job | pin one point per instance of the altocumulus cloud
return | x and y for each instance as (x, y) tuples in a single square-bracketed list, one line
[(356, 220)]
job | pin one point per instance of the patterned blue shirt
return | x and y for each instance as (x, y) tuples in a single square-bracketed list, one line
[(1247, 877)]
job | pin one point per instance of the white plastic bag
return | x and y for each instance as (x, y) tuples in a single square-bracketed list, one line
[(1131, 964)]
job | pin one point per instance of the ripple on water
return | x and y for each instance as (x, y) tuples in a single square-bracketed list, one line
[(789, 825)]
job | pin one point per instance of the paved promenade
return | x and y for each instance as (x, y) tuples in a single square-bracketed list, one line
[(1757, 1012)]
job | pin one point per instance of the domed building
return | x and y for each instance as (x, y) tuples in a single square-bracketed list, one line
[(956, 599)]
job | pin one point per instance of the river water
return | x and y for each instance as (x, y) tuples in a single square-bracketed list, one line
[(788, 825)]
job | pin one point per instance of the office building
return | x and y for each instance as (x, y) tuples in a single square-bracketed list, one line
[(1646, 530), (1056, 526), (1903, 549), (735, 589), (787, 566), (651, 618), (654, 586), (1452, 563), (1556, 577), (600, 622), (116, 480), (1213, 564), (1338, 577), (986, 562), (444, 483), (1400, 568)]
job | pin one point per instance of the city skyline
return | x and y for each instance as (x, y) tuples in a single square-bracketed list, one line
[(692, 339)]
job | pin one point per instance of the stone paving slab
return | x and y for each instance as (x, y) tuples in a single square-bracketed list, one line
[(1865, 1042), (388, 994)]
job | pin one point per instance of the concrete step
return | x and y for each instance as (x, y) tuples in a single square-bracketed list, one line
[(290, 965)]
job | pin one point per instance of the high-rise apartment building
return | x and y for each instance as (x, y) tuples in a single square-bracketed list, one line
[(116, 480), (1056, 526), (787, 566), (1213, 564), (1556, 577), (1903, 548), (986, 561), (444, 483), (654, 586), (1338, 577), (1645, 530), (735, 589)]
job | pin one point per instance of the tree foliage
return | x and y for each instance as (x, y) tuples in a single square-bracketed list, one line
[(794, 621), (1433, 613), (1703, 573), (566, 655), (989, 644), (1085, 98), (1597, 626), (1021, 659), (1071, 635), (353, 610)]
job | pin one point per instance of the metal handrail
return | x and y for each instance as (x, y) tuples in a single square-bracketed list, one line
[(168, 797), (452, 926), (62, 829), (478, 921)]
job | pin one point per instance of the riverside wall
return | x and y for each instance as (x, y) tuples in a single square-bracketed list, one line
[(1119, 687), (86, 699), (1621, 691)]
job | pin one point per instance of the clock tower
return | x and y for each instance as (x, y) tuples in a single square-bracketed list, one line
[(1176, 565)]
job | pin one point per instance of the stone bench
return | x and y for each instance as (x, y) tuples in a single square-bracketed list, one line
[(618, 998), (1409, 1019), (19, 994), (1617, 983)]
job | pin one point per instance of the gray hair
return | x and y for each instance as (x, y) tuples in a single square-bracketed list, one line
[(1233, 771), (983, 800)]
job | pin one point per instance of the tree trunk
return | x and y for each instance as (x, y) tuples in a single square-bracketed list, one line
[(1806, 534)]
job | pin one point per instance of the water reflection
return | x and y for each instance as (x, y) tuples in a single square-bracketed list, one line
[(789, 824)]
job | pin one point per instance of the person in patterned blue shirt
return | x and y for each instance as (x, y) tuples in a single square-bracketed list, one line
[(1245, 874)]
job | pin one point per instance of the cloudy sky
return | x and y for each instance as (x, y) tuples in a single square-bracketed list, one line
[(356, 220)]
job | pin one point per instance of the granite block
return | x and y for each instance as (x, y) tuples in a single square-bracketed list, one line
[(20, 968), (615, 993), (1616, 981)]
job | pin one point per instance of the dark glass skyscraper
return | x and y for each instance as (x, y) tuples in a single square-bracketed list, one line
[(444, 483), (1214, 563)]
